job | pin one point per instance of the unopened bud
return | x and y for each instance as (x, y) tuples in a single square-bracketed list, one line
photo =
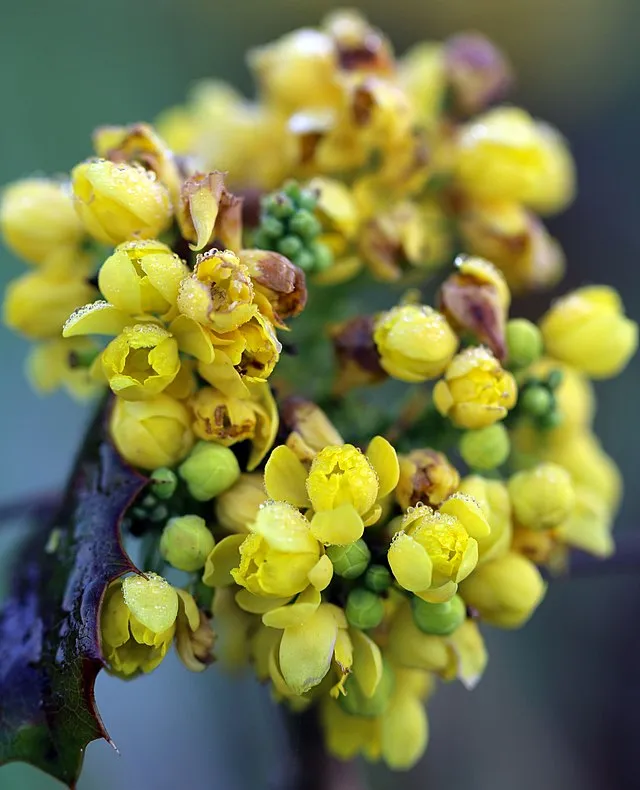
[(355, 702), (163, 483), (186, 543), (524, 343), (349, 561), (364, 609), (536, 401), (486, 448), (209, 470), (377, 578), (439, 619)]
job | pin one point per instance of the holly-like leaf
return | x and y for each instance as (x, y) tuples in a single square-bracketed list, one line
[(49, 626)]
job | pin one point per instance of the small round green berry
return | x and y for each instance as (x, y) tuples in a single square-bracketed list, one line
[(271, 227), (377, 578), (439, 619), (289, 246), (209, 470), (305, 225), (305, 260), (308, 199), (349, 561), (486, 448), (356, 703), (524, 342), (536, 401), (163, 483), (364, 609), (323, 256)]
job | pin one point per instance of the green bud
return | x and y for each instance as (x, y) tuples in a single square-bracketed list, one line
[(261, 240), (536, 401), (304, 224), (305, 260), (554, 379), (163, 483), (377, 578), (308, 199), (354, 701), (271, 227), (485, 448), (440, 619), (186, 543), (323, 256), (364, 609), (524, 342), (209, 470), (289, 246), (281, 206), (550, 420), (159, 514), (293, 190), (349, 561)]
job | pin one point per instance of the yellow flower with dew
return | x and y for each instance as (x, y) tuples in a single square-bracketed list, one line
[(120, 202), (475, 391), (542, 497), (142, 277), (228, 420), (588, 330), (433, 551), (506, 591), (37, 216), (505, 154), (64, 363), (141, 362), (343, 486), (151, 433), (37, 304), (415, 342), (219, 293)]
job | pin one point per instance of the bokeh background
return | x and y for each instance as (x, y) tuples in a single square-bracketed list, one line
[(559, 706)]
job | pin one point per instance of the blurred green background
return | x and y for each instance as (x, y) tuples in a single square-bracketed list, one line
[(559, 706)]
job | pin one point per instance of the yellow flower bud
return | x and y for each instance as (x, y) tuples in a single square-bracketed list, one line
[(141, 362), (415, 342), (38, 304), (505, 591), (151, 433), (425, 476), (137, 623), (276, 558), (431, 554), (119, 202), (542, 497), (475, 391), (142, 277), (209, 470), (505, 154), (238, 506), (186, 542), (588, 329), (37, 216), (219, 292), (493, 498)]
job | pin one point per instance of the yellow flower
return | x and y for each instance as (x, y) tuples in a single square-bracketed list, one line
[(238, 506), (505, 154), (542, 497), (589, 525), (194, 636), (120, 202), (505, 591), (433, 551), (475, 391), (38, 304), (219, 293), (425, 476), (64, 363), (493, 498), (588, 329), (141, 362), (177, 127), (280, 285), (151, 433), (137, 623), (142, 277), (278, 555), (422, 72), (415, 342), (37, 216)]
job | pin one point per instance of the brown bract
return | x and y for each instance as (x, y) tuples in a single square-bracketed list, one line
[(357, 355), (279, 280)]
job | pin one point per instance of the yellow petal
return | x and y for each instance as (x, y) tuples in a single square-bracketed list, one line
[(410, 563), (322, 572), (405, 732), (367, 662), (190, 608), (151, 600), (306, 651), (224, 557), (295, 614), (98, 318), (257, 604), (285, 477), (440, 594), (384, 460), (470, 652), (469, 514), (337, 527), (193, 339)]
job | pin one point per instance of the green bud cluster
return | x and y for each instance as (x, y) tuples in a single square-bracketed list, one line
[(439, 619), (288, 225), (537, 400)]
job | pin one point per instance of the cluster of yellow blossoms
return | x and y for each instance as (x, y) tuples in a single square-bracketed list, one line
[(351, 579)]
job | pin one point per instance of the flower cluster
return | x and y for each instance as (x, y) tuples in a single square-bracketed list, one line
[(351, 573)]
